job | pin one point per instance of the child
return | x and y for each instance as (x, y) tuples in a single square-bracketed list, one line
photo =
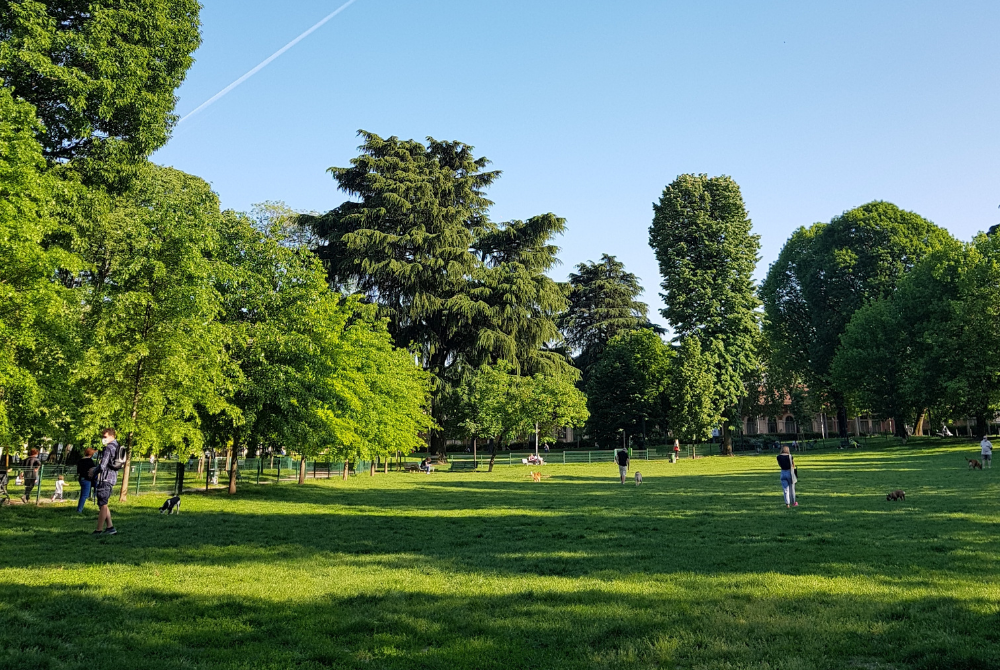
[(58, 497), (18, 480)]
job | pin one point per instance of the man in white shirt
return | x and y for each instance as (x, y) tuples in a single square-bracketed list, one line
[(986, 452)]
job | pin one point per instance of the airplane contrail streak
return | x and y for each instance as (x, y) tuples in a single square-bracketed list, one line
[(266, 62)]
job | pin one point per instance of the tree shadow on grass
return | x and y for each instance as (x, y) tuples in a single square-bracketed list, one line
[(557, 529), (529, 626)]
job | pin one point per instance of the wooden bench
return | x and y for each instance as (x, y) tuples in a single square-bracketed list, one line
[(464, 466), (411, 467)]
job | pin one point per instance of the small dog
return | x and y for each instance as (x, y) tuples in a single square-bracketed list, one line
[(638, 478), (171, 506), (974, 464), (536, 476), (898, 494)]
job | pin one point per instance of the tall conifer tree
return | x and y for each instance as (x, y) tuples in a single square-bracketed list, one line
[(602, 304)]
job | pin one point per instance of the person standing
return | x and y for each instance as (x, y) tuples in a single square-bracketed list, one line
[(83, 467), (986, 451), (788, 479), (104, 478), (621, 458), (32, 465)]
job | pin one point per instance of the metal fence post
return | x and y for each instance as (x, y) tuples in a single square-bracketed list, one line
[(138, 477), (38, 491), (590, 458), (564, 457), (278, 479)]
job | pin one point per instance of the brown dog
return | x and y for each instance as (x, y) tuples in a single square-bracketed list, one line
[(898, 494), (974, 464), (536, 476)]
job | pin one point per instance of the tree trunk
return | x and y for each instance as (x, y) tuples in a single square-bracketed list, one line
[(899, 427), (385, 465), (347, 466), (302, 470), (123, 496), (137, 381), (372, 471), (981, 427), (726, 448), (474, 458), (234, 464), (841, 404), (921, 415), (493, 454)]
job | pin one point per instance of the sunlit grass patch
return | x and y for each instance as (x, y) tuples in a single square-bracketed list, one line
[(701, 566)]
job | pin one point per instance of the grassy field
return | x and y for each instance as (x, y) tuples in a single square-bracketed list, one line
[(701, 567)]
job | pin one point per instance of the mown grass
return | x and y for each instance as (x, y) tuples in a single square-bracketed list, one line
[(701, 567)]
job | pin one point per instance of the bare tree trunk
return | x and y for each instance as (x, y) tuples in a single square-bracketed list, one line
[(302, 470), (123, 496), (385, 465), (726, 448), (921, 416), (841, 406), (981, 428), (234, 464), (899, 427), (347, 465), (493, 454), (371, 472)]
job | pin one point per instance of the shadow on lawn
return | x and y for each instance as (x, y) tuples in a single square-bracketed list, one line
[(574, 529), (694, 625)]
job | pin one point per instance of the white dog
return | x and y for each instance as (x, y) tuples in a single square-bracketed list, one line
[(638, 477)]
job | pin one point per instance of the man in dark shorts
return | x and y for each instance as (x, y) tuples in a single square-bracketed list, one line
[(621, 458), (104, 479)]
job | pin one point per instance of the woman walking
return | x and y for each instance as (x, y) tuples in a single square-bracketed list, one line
[(85, 463), (788, 479)]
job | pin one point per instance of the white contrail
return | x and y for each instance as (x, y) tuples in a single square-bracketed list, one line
[(266, 62)]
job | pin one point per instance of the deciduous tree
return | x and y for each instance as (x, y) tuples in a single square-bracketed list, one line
[(825, 273), (702, 238), (628, 385)]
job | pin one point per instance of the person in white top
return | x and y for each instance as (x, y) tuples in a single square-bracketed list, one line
[(60, 483), (986, 452)]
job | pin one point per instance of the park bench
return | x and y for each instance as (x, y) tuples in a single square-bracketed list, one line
[(411, 467), (464, 466)]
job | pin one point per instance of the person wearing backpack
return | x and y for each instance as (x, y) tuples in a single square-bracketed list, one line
[(105, 475), (621, 458), (31, 474)]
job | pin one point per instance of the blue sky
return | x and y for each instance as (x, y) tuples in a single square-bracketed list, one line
[(591, 108)]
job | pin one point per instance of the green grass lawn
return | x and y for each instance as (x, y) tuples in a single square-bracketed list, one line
[(701, 567)]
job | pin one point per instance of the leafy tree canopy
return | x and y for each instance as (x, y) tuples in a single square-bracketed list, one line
[(628, 385), (100, 74), (827, 272), (702, 238)]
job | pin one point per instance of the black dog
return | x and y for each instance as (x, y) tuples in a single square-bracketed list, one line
[(171, 506)]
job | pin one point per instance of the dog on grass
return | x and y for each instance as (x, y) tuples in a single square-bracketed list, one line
[(974, 464), (638, 478), (898, 494), (536, 476), (171, 506)]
